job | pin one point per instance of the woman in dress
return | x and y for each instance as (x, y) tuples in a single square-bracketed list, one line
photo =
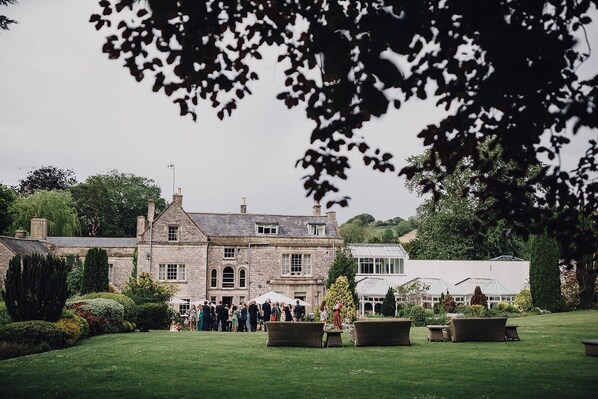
[(287, 313), (192, 318), (235, 319), (337, 315)]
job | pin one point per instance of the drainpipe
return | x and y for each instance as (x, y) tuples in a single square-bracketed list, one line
[(151, 246)]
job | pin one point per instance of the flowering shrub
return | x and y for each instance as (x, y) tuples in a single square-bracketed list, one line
[(103, 315), (71, 328), (523, 300), (130, 308)]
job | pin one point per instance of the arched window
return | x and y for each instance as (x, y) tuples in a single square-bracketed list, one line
[(214, 278), (228, 277), (242, 278)]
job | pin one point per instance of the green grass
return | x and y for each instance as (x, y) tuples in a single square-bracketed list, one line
[(549, 362)]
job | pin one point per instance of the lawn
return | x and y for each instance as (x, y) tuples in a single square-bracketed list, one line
[(548, 362)]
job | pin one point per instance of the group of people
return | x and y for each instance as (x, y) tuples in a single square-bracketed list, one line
[(241, 318)]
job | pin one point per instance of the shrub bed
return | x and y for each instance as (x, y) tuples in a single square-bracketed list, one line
[(102, 315), (34, 333), (130, 308), (152, 316), (71, 329)]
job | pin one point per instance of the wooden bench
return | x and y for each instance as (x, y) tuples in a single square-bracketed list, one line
[(381, 332), (591, 346), (300, 333), (436, 333), (478, 329)]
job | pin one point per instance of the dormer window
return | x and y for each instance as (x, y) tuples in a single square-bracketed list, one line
[(266, 228), (316, 229)]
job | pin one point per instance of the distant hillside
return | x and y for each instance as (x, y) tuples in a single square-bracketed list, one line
[(365, 228)]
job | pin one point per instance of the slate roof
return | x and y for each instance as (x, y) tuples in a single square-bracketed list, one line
[(244, 224), (24, 246), (89, 242)]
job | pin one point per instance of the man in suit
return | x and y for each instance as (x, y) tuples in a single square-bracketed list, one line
[(207, 318), (298, 311), (253, 316), (219, 321), (267, 310)]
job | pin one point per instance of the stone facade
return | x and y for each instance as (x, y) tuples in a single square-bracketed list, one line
[(218, 257)]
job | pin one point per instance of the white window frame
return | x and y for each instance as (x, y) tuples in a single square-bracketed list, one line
[(267, 229), (230, 282), (229, 253), (173, 233), (172, 272), (214, 278), (296, 264), (242, 278), (318, 230)]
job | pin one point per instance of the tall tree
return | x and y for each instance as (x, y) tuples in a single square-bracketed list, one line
[(35, 287), (343, 265), (7, 197), (47, 178), (389, 305), (108, 204), (5, 22), (95, 271), (506, 69), (56, 206), (545, 274), (447, 222)]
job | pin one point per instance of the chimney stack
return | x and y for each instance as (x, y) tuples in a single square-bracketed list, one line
[(20, 233), (39, 228), (177, 199), (151, 211), (243, 205), (141, 226), (317, 208)]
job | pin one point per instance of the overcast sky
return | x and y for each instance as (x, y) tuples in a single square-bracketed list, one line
[(63, 103)]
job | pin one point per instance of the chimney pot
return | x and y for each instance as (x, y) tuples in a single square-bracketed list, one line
[(243, 205), (178, 198), (317, 208)]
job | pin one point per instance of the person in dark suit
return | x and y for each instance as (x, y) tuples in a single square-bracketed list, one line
[(253, 316), (207, 318), (267, 310), (298, 311), (219, 321)]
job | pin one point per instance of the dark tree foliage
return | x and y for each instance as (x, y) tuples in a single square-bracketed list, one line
[(95, 271), (343, 265), (47, 178), (545, 275), (35, 287), (108, 204), (504, 69), (389, 303), (5, 22), (479, 298), (7, 197)]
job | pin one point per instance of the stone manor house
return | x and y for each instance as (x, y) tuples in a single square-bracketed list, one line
[(230, 257)]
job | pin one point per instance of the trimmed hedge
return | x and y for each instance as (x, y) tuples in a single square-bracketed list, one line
[(34, 333), (103, 315), (152, 316), (130, 311)]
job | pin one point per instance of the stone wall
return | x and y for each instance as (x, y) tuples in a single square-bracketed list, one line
[(5, 256)]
